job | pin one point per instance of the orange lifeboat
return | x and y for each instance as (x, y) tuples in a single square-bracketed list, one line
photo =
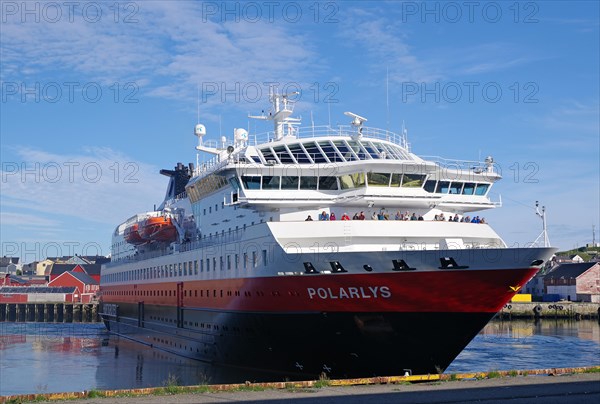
[(160, 228), (132, 235)]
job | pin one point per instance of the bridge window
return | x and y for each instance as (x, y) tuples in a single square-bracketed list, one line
[(396, 180), (350, 181), (328, 183), (308, 182), (481, 189), (442, 187), (251, 182), (468, 189), (289, 182), (413, 180), (378, 179), (430, 185), (270, 182), (456, 187)]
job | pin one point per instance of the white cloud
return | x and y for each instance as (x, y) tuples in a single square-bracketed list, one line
[(96, 186)]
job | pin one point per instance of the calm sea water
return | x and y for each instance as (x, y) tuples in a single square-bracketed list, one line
[(43, 358)]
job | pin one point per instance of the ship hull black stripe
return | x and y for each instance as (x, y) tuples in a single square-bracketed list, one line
[(301, 345)]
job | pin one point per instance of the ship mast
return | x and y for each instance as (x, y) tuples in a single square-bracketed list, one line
[(281, 109)]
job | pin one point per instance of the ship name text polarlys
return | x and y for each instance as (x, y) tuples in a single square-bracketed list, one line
[(372, 292)]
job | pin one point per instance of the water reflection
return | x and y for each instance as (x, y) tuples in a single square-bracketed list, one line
[(89, 357), (527, 344)]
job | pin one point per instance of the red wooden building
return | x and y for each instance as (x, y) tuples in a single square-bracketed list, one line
[(86, 286)]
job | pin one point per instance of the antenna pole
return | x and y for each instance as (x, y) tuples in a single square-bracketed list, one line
[(387, 98), (544, 233)]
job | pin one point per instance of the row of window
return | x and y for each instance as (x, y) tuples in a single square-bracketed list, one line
[(358, 180), (192, 293), (332, 151), (190, 268)]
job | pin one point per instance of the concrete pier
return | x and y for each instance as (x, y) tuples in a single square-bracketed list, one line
[(563, 309), (49, 312)]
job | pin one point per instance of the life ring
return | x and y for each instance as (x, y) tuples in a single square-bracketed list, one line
[(537, 309), (559, 307), (551, 306)]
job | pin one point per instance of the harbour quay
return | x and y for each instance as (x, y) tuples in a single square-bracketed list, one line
[(49, 312), (560, 309)]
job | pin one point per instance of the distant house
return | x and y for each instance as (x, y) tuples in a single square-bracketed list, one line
[(39, 268), (87, 287), (577, 281), (13, 280), (9, 265)]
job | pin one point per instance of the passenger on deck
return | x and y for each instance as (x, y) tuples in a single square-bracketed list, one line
[(332, 217), (324, 216), (308, 219), (361, 216), (355, 217), (374, 216), (455, 217), (413, 217), (398, 215), (345, 216), (482, 220), (420, 218)]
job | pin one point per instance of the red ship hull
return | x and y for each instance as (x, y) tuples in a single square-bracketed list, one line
[(352, 324)]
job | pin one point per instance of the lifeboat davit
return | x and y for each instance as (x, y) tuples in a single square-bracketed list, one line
[(132, 235), (160, 228)]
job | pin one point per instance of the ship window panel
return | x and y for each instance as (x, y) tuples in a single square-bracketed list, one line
[(396, 180), (207, 264), (382, 152), (308, 182), (455, 187), (299, 154), (185, 269), (413, 180), (442, 187), (371, 150), (268, 154), (234, 183), (481, 189), (359, 149), (283, 155), (344, 150), (264, 257), (289, 182), (270, 182), (315, 153), (378, 179), (430, 186), (468, 189), (351, 181), (251, 182), (214, 263), (329, 151), (328, 183), (254, 259)]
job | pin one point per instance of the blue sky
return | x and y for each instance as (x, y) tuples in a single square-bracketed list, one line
[(95, 100)]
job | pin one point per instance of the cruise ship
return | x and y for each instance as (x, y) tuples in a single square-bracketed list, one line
[(311, 251)]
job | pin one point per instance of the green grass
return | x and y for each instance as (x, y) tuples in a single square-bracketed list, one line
[(95, 394), (513, 373), (494, 374), (592, 370), (453, 377), (323, 381)]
